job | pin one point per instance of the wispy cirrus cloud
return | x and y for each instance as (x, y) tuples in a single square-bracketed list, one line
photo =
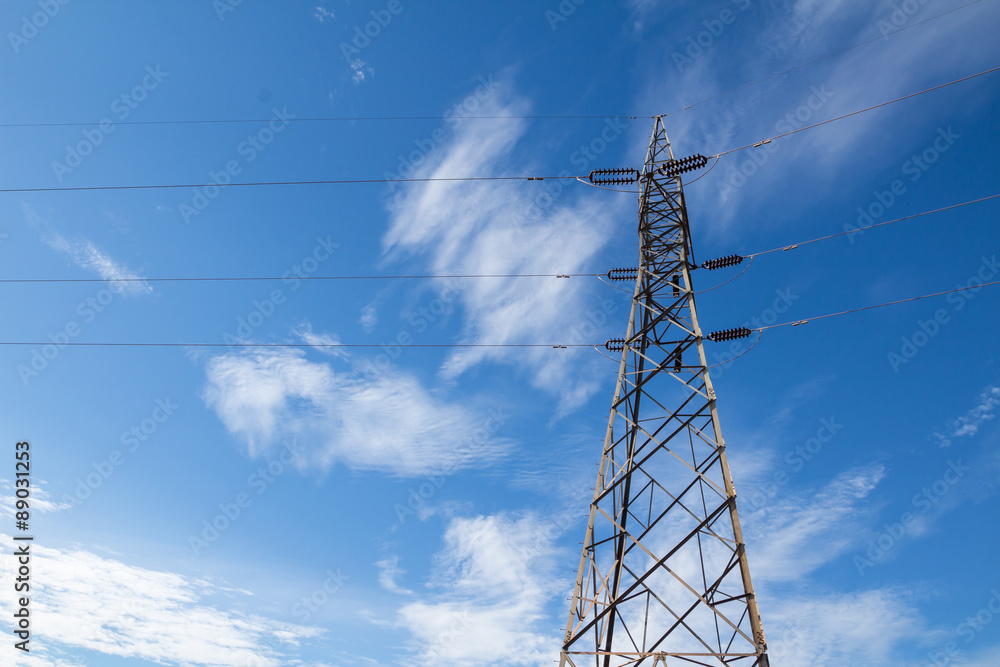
[(795, 536), (88, 256), (388, 572), (969, 424), (390, 423), (41, 501), (808, 30), (85, 601), (481, 227), (493, 580)]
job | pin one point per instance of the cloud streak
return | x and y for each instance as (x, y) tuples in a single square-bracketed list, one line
[(84, 601), (88, 256), (390, 423), (969, 424), (462, 228), (494, 578)]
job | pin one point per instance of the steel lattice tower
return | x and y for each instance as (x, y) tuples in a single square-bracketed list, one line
[(663, 577)]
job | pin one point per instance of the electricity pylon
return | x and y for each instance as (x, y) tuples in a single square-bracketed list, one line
[(663, 577)]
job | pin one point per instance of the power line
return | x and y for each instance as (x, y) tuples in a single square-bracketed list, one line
[(792, 246), (467, 345), (314, 120), (261, 183), (295, 345), (321, 119), (786, 247), (855, 113), (468, 178), (263, 278), (464, 178), (829, 55), (878, 305)]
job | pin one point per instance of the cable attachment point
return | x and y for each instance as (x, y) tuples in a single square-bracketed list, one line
[(722, 262), (678, 167), (620, 176), (729, 334), (615, 345), (623, 274)]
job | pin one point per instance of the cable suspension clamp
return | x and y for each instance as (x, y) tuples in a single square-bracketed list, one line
[(623, 274), (729, 334), (678, 167), (615, 345), (722, 262), (620, 176)]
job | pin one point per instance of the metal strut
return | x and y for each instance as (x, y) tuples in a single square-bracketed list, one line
[(663, 575)]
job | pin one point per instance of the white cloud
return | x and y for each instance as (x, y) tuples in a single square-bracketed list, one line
[(322, 14), (389, 423), (369, 318), (792, 538), (40, 499), (360, 70), (893, 67), (82, 600), (388, 572), (494, 579), (88, 256), (863, 629), (321, 342), (969, 423), (486, 227)]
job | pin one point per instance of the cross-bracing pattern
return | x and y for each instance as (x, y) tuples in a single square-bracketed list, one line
[(663, 577)]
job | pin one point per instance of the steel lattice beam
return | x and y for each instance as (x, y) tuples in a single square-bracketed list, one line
[(663, 576)]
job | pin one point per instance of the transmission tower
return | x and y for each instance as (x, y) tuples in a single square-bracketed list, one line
[(663, 577)]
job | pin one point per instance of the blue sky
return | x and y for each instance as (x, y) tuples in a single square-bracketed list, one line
[(382, 506)]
